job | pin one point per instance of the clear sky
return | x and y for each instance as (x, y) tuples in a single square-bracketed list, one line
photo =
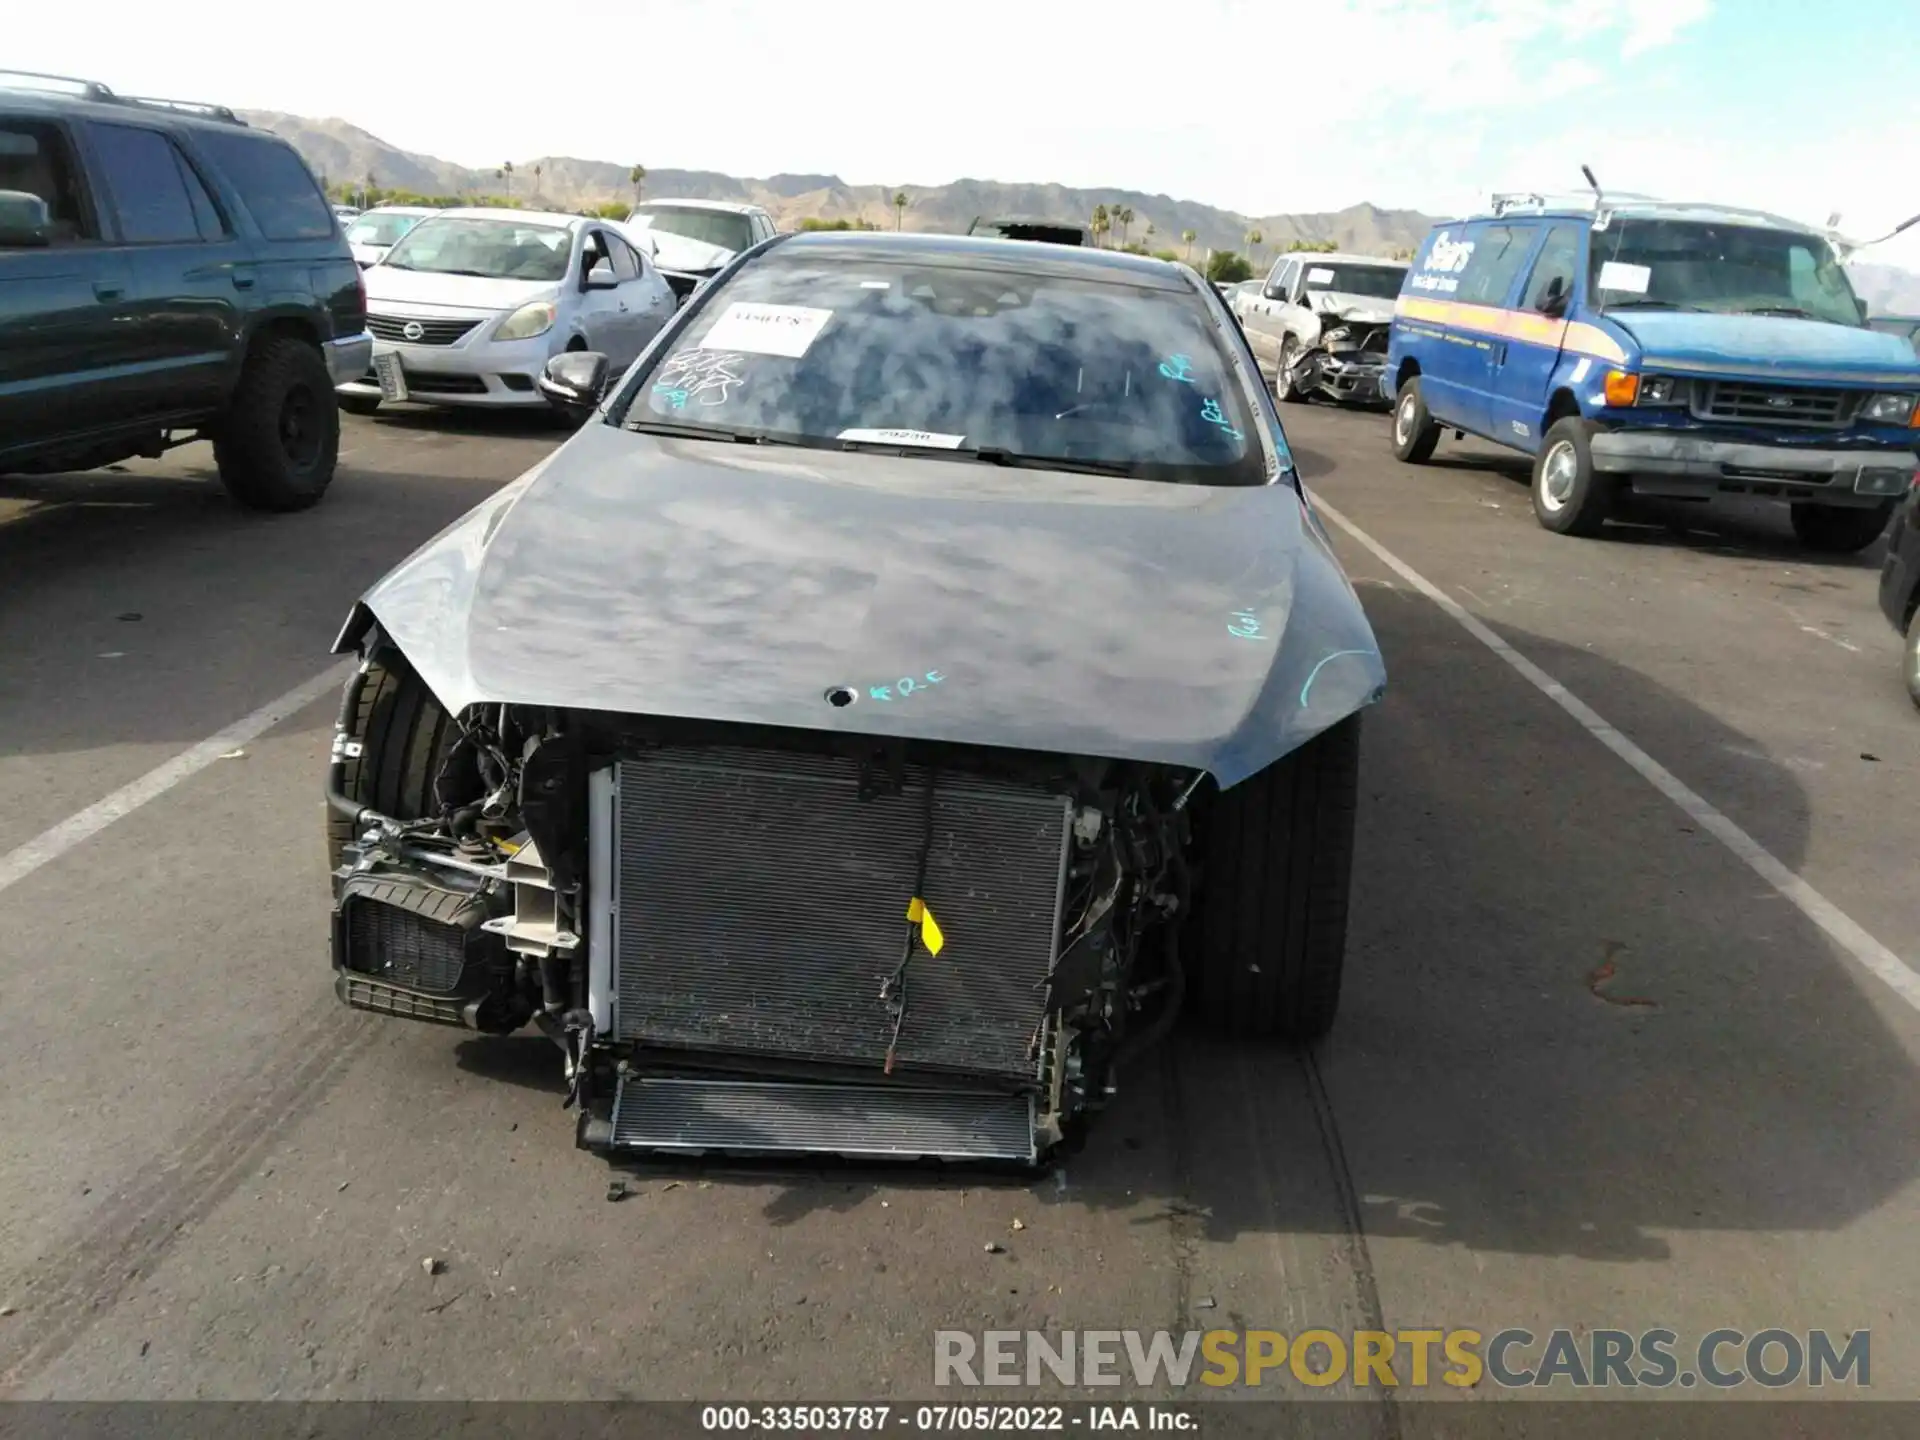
[(1806, 106)]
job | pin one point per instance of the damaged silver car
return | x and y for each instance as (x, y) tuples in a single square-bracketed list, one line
[(922, 680), (1322, 320)]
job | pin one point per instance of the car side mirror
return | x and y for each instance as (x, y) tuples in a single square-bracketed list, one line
[(574, 382), (1554, 302), (24, 219), (1862, 307), (601, 277)]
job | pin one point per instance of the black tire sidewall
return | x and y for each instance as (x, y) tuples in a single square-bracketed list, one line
[(1910, 656), (251, 455), (1285, 391), (1585, 507), (1421, 432)]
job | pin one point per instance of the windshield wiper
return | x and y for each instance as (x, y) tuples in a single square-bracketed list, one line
[(1793, 311), (1644, 304), (998, 455), (708, 432)]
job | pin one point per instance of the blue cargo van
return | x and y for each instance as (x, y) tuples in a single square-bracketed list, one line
[(1639, 346)]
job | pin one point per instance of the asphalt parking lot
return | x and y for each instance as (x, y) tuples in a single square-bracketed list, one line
[(1594, 1067)]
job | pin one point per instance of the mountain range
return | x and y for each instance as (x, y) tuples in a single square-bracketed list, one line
[(341, 152)]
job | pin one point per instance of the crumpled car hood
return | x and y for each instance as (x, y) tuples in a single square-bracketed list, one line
[(1339, 305), (1209, 628)]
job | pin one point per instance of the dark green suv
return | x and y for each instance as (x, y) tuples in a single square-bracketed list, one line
[(168, 274)]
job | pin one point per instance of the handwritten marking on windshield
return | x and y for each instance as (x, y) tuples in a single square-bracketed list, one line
[(1210, 411), (708, 376), (1246, 625), (905, 686), (1178, 367)]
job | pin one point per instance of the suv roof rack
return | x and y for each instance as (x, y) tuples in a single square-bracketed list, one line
[(100, 94)]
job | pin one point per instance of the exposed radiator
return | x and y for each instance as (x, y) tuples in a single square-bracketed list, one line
[(758, 904), (744, 1117)]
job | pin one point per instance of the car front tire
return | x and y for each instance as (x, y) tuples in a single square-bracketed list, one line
[(1839, 529), (1272, 902), (1570, 497), (278, 444), (404, 736), (1284, 389)]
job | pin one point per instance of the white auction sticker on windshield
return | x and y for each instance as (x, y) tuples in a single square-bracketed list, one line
[(766, 329), (1618, 275), (925, 439), (1319, 276)]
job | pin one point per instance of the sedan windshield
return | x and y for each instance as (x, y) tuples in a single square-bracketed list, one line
[(381, 229), (492, 249), (724, 228), (1379, 282), (1731, 269), (1011, 367)]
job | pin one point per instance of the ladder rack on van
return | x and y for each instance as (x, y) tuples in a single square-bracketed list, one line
[(1602, 208), (93, 90)]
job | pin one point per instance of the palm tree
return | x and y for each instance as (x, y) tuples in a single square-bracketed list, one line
[(1254, 239), (637, 177), (506, 172), (1187, 237), (366, 190), (899, 208), (538, 168), (1149, 234), (1125, 218), (1099, 223)]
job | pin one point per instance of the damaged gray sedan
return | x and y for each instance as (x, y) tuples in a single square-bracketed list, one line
[(921, 680)]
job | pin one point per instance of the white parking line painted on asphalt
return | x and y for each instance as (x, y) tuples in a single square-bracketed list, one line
[(51, 844), (1874, 957)]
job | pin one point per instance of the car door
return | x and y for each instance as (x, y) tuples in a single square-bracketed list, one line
[(1461, 377), (1524, 359), (190, 269), (646, 299), (61, 352), (598, 316)]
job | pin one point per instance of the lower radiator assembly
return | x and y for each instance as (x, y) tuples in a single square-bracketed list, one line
[(753, 964)]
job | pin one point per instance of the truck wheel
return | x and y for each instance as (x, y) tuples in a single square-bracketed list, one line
[(1569, 496), (359, 404), (1912, 660), (1272, 906), (1414, 433), (404, 736), (1839, 529), (277, 446), (1284, 389)]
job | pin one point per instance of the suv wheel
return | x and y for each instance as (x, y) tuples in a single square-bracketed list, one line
[(1840, 529), (1272, 905), (278, 444)]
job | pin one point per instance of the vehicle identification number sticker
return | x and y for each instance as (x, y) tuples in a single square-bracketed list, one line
[(926, 439), (1618, 275), (767, 329)]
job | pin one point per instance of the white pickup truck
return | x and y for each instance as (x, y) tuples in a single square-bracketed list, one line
[(1322, 320)]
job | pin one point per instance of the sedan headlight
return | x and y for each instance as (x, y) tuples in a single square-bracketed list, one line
[(527, 322), (1889, 410)]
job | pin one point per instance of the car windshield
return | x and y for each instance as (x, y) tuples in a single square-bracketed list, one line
[(724, 228), (381, 229), (493, 249), (1005, 365), (1380, 282), (1732, 269)]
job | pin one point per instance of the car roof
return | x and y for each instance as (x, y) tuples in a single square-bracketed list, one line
[(731, 207), (1339, 257), (559, 218), (103, 104), (990, 252)]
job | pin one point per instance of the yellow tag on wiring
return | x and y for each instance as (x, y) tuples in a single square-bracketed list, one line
[(930, 935)]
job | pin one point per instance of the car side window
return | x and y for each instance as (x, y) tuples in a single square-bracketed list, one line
[(1498, 254), (593, 254), (1554, 270), (150, 184), (35, 160), (274, 182), (626, 264), (1283, 279)]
